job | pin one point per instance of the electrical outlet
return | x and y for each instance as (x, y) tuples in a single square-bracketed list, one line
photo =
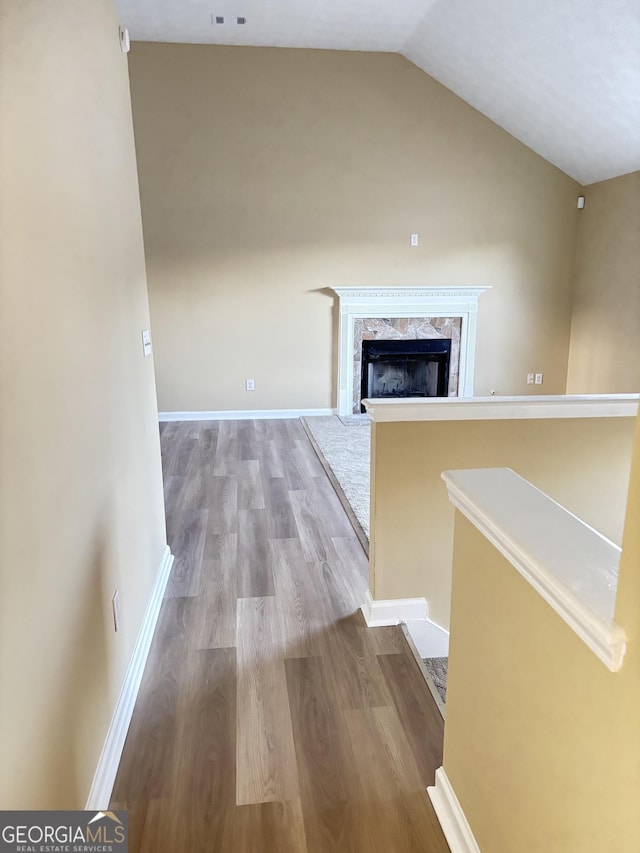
[(414, 239), (539, 378), (115, 603), (529, 378), (250, 385)]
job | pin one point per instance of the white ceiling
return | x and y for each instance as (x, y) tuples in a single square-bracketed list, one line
[(562, 76)]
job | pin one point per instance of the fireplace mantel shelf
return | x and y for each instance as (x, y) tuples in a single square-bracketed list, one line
[(395, 293)]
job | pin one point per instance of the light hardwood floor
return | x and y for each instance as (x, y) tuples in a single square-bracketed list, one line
[(270, 718)]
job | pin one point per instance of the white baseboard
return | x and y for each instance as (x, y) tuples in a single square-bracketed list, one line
[(452, 819), (393, 611), (243, 415), (430, 639), (107, 768)]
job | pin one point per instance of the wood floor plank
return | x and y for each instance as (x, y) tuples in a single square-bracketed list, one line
[(307, 458), (349, 551), (297, 597), (172, 489), (316, 544), (387, 640), (272, 461), (182, 458), (345, 593), (209, 440), (143, 774), (246, 431), (406, 775), (421, 719), (336, 523), (250, 485), (204, 789), (221, 499), (229, 428), (281, 518), (194, 482), (265, 758), (263, 429), (150, 827), (247, 451), (255, 578), (215, 615), (193, 429), (187, 545), (274, 827), (227, 452), (352, 565), (172, 440), (403, 765), (286, 430), (344, 597), (293, 471), (323, 755), (398, 817), (356, 675)]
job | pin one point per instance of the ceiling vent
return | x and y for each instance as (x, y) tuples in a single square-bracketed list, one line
[(219, 19)]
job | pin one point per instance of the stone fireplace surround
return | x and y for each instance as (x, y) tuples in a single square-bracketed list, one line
[(416, 313)]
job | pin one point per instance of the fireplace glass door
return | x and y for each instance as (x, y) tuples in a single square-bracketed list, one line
[(405, 368)]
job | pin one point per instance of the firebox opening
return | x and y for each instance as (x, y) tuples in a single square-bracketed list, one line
[(405, 368)]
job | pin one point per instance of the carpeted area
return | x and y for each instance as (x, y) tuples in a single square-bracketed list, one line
[(344, 445), (437, 672)]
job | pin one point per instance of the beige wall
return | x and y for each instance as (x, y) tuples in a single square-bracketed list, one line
[(542, 741), (269, 175), (605, 344), (583, 463), (81, 508)]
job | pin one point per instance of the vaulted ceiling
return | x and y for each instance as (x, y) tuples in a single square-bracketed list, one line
[(562, 76)]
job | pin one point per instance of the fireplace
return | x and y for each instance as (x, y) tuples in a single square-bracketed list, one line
[(405, 368), (408, 314)]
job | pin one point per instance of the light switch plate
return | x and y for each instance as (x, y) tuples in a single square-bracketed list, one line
[(146, 342)]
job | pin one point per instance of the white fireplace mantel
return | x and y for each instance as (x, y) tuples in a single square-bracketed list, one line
[(390, 302)]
